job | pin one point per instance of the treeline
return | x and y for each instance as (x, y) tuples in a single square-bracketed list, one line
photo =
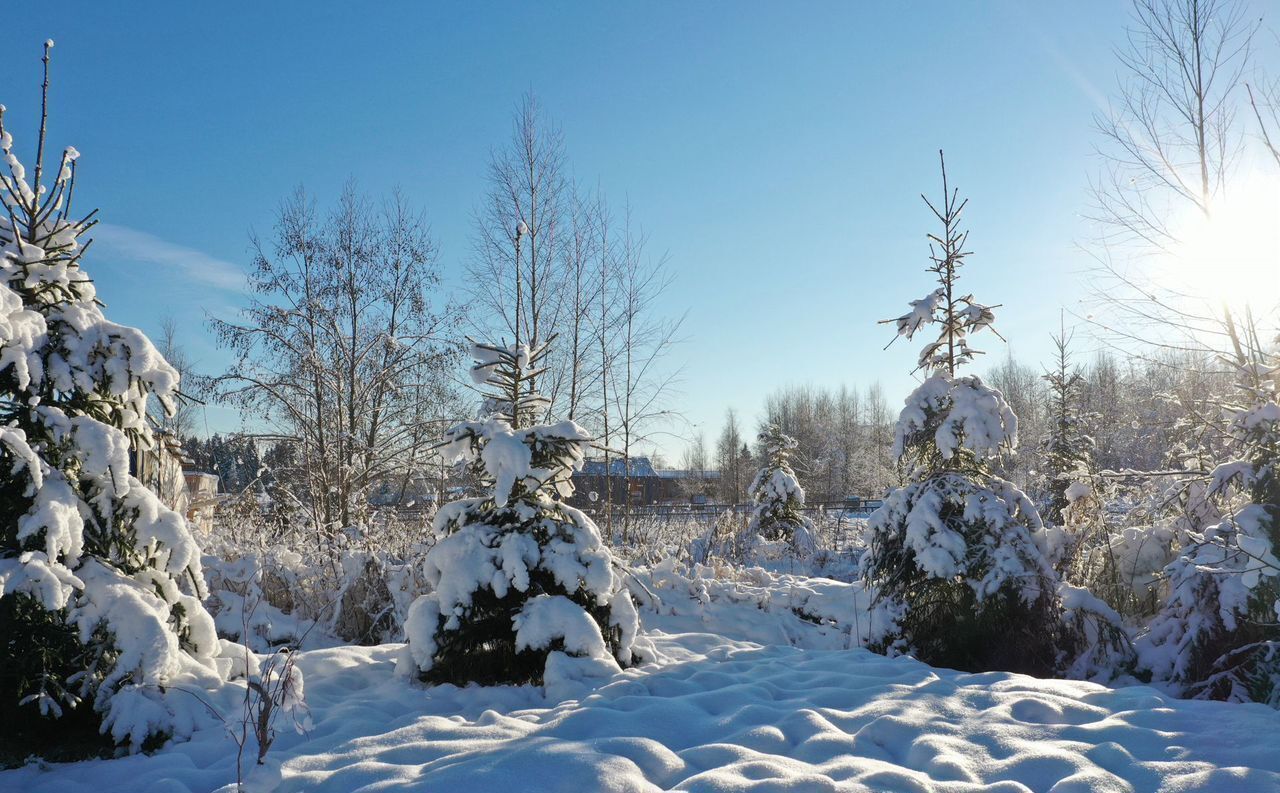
[(234, 459), (843, 438), (1142, 412)]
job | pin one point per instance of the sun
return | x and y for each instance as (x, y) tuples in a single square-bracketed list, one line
[(1230, 257)]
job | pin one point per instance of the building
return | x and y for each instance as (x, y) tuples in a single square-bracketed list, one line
[(160, 468), (644, 485), (202, 498), (168, 472)]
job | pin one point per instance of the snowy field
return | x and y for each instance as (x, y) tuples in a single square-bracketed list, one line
[(744, 695)]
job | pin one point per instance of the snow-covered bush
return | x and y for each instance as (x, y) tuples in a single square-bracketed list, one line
[(755, 604), (957, 551), (100, 583), (777, 498), (1217, 635), (520, 579), (1115, 538), (359, 591)]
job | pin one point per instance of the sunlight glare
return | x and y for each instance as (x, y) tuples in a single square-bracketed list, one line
[(1231, 257)]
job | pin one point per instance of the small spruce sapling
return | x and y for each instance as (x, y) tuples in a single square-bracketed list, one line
[(958, 554), (1067, 447), (777, 498), (520, 580), (1081, 544)]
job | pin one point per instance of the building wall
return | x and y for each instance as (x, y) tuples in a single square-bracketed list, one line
[(160, 469), (202, 494)]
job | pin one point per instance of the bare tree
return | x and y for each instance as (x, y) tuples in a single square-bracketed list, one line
[(603, 320), (1264, 101), (853, 441), (181, 422), (728, 459), (642, 382), (1026, 392), (585, 371), (1170, 144), (880, 422), (1169, 138), (517, 272), (551, 261), (695, 463), (341, 351)]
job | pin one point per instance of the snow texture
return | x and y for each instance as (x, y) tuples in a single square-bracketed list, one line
[(736, 699), (961, 413)]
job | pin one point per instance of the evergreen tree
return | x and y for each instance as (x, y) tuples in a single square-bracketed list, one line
[(1068, 448), (519, 579), (958, 554), (100, 583), (745, 463), (778, 497), (1218, 634)]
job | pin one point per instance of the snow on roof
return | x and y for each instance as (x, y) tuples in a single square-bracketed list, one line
[(686, 473), (640, 466)]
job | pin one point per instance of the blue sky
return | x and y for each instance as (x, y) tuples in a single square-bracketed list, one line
[(775, 151)]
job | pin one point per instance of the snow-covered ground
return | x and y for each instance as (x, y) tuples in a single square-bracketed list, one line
[(746, 695)]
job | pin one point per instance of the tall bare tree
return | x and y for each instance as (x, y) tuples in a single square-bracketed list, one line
[(642, 381), (517, 270), (880, 424), (1169, 143), (181, 422), (1027, 394), (581, 254), (551, 260), (728, 460), (695, 463)]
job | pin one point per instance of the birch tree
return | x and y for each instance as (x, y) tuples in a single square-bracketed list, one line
[(516, 273), (341, 352)]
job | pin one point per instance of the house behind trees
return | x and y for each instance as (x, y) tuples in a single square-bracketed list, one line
[(647, 484)]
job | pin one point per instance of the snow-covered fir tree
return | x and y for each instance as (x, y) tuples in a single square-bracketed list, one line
[(957, 554), (777, 497), (521, 583), (100, 583), (1218, 633)]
